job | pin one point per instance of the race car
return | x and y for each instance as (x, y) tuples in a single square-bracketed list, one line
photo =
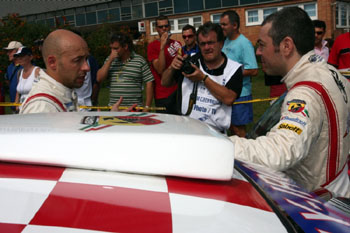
[(144, 172)]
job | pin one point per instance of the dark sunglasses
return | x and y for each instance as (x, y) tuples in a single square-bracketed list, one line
[(188, 36), (319, 33), (163, 26)]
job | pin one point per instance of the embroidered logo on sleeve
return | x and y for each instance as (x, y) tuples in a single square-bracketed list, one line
[(298, 106), (290, 127)]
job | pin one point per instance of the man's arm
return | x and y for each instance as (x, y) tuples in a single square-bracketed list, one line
[(159, 63), (250, 72), (168, 76), (149, 94), (220, 92), (102, 73)]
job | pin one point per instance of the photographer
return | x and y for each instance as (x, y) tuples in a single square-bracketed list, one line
[(212, 85)]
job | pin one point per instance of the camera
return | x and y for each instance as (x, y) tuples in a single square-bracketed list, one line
[(187, 67)]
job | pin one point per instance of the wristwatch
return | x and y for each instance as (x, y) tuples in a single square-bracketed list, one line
[(205, 77)]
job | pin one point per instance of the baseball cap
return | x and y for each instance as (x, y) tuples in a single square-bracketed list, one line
[(13, 45), (23, 51)]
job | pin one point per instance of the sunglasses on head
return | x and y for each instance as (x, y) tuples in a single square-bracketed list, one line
[(188, 36), (319, 33), (163, 26)]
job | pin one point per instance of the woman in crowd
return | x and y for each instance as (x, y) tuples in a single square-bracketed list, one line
[(26, 75)]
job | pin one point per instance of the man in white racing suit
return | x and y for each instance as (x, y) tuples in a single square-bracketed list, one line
[(65, 55), (311, 141), (48, 95)]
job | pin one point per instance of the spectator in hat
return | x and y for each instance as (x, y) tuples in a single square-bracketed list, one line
[(26, 75), (12, 69)]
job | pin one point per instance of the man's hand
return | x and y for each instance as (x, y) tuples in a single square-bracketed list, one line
[(164, 40), (115, 107), (113, 55), (177, 62), (196, 76)]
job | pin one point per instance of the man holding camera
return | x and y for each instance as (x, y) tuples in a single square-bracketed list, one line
[(208, 82)]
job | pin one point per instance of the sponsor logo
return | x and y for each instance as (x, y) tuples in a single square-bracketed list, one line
[(298, 106), (290, 127), (100, 122), (297, 120), (315, 58), (340, 85)]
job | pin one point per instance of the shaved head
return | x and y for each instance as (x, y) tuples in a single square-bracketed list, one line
[(65, 55), (60, 41)]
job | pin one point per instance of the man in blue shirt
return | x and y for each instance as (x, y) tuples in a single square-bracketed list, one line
[(238, 48), (11, 72), (189, 36)]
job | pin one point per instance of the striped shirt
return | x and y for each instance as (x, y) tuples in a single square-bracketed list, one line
[(127, 79)]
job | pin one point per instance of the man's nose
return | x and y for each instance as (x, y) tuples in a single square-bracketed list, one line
[(86, 66)]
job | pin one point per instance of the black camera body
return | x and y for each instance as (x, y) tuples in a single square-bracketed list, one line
[(187, 67)]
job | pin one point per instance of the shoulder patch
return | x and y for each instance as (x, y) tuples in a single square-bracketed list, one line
[(297, 106)]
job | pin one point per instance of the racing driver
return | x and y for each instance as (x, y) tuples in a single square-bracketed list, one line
[(311, 140)]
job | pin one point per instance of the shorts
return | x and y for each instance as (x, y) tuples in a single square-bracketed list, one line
[(242, 114)]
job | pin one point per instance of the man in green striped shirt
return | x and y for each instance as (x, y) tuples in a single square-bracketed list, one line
[(127, 71)]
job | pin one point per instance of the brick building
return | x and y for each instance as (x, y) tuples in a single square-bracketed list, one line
[(134, 13)]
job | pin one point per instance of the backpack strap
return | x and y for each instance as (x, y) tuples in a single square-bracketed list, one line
[(50, 97)]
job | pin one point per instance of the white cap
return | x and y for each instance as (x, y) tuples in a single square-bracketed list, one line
[(13, 45)]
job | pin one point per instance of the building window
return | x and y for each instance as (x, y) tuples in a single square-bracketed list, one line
[(269, 11), (151, 9), (253, 16), (229, 3), (102, 16), (342, 15), (137, 12), (211, 4), (114, 14), (256, 16), (91, 18), (310, 9), (126, 13), (215, 18), (197, 21), (80, 20), (182, 23), (70, 20)]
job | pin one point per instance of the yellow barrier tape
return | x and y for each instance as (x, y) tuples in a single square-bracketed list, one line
[(255, 100), (10, 104)]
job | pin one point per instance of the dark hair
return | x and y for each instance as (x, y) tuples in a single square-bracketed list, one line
[(232, 16), (295, 23), (210, 26), (189, 27), (162, 17), (319, 24), (123, 40)]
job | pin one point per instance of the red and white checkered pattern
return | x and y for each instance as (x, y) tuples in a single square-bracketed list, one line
[(51, 199)]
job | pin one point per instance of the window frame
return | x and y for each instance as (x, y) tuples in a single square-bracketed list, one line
[(261, 12), (340, 6)]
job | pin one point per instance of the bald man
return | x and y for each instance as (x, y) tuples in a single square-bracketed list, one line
[(65, 55)]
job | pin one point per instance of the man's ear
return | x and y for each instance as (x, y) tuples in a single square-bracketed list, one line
[(287, 46), (52, 62)]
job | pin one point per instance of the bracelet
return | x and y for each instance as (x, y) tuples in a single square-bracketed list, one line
[(205, 77)]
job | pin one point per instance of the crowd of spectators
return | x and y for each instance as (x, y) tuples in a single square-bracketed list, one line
[(310, 140)]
